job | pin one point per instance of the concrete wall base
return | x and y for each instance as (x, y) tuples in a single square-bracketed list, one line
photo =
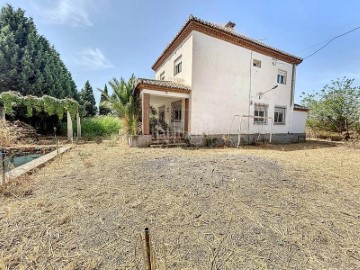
[(36, 163), (140, 140), (246, 139)]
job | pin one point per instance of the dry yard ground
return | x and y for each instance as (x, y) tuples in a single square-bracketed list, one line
[(269, 207)]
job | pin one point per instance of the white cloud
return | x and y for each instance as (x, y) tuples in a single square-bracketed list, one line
[(92, 58), (71, 12)]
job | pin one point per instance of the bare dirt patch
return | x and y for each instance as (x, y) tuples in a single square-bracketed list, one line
[(271, 207)]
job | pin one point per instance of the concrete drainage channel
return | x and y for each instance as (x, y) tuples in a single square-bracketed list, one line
[(30, 166)]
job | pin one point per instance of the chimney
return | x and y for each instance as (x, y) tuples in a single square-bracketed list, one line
[(230, 25)]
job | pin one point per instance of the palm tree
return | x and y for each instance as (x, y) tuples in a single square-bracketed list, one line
[(123, 103)]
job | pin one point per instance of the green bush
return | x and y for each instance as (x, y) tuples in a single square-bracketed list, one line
[(99, 126)]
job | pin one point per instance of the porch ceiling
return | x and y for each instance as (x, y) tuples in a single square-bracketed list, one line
[(158, 101)]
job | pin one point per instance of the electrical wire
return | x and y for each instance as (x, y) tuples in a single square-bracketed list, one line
[(331, 40)]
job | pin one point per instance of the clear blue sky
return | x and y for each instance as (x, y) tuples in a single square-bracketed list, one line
[(99, 40)]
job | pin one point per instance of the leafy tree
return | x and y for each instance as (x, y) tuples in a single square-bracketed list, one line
[(28, 63), (335, 107), (87, 101), (124, 103), (102, 109)]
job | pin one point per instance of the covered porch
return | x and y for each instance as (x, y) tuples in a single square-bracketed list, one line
[(165, 107)]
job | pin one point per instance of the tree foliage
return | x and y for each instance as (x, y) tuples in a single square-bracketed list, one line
[(124, 103), (336, 107), (28, 63), (87, 101), (103, 110)]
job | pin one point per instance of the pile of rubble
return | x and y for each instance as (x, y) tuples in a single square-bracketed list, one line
[(17, 132)]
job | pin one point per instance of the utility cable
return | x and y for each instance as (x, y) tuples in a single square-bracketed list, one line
[(331, 40)]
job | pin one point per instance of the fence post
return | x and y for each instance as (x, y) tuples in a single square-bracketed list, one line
[(147, 243), (2, 113), (3, 167)]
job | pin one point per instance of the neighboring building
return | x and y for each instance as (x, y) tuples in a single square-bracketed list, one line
[(299, 119), (209, 77)]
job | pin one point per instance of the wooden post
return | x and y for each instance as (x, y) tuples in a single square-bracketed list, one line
[(147, 245), (3, 156), (146, 114), (70, 133), (78, 126), (2, 113)]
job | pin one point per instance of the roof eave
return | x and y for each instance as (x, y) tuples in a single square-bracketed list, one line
[(148, 86), (301, 109), (190, 26)]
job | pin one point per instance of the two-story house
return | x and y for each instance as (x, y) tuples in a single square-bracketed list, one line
[(213, 81)]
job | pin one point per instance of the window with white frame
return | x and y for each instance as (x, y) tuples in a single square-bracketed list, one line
[(162, 76), (177, 65), (281, 76), (256, 63), (279, 115), (260, 114), (176, 111)]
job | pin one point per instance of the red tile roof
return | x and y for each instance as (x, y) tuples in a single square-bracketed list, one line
[(224, 33)]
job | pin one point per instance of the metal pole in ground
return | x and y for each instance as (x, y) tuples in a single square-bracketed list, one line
[(147, 244), (3, 167)]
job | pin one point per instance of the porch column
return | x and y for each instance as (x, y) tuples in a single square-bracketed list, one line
[(78, 126), (70, 133), (146, 114), (186, 120), (2, 113)]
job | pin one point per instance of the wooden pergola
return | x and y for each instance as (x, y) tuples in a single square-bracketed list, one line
[(69, 120)]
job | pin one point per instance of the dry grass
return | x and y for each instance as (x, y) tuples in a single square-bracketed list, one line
[(270, 207)]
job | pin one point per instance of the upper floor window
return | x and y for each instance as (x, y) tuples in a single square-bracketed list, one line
[(279, 115), (162, 76), (177, 65), (256, 63), (260, 114), (281, 77)]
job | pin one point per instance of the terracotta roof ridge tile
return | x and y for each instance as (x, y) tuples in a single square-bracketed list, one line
[(228, 31), (232, 31)]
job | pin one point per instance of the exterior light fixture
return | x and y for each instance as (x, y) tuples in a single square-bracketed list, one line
[(274, 87)]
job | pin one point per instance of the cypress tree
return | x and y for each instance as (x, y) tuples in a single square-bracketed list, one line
[(103, 110), (87, 101), (28, 63), (8, 60)]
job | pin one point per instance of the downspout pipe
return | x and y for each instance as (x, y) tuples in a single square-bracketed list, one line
[(250, 86), (292, 96)]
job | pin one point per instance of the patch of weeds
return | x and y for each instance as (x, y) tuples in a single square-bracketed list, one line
[(209, 141)]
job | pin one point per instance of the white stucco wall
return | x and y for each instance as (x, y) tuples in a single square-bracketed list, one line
[(185, 51), (299, 121), (225, 83)]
